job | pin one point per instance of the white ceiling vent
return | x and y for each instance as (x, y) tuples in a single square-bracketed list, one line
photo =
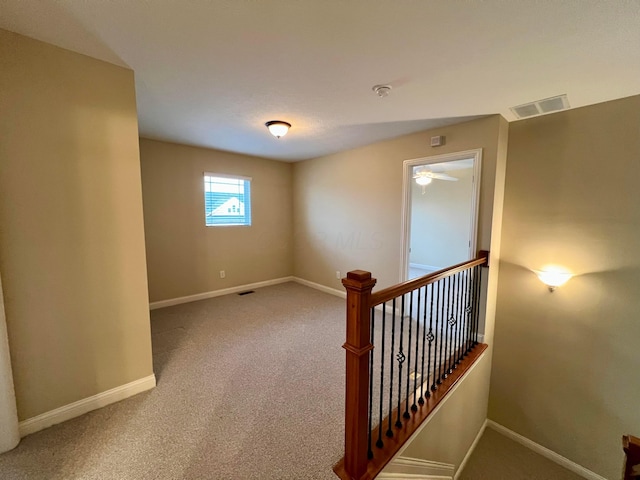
[(540, 107)]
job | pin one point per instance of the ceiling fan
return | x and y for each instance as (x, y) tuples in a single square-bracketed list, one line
[(425, 177)]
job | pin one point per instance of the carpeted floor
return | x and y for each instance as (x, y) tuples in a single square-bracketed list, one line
[(499, 458), (241, 395)]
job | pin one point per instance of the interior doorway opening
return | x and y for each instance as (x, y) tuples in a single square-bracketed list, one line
[(440, 212)]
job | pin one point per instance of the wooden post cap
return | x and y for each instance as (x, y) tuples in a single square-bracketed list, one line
[(360, 275)]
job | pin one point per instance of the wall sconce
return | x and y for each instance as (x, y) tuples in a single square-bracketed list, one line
[(553, 277)]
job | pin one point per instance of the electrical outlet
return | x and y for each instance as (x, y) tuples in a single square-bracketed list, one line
[(414, 375), (222, 274), (338, 274)]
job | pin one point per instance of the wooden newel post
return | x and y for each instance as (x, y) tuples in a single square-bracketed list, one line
[(358, 345)]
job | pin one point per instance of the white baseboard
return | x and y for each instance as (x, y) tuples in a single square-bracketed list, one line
[(322, 288), (545, 452), (75, 409), (421, 266), (217, 293), (404, 468), (472, 448)]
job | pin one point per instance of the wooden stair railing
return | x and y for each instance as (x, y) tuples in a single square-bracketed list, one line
[(451, 296), (631, 447)]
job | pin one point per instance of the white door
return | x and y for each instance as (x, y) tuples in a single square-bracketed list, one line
[(440, 212)]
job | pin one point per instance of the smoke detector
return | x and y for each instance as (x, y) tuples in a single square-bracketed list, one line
[(540, 107), (382, 90)]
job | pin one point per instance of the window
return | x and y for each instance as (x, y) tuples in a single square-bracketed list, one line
[(227, 200)]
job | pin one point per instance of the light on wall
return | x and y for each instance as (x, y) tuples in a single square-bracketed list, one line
[(278, 128), (553, 276)]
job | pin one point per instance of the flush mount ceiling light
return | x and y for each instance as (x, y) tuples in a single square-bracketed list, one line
[(278, 128)]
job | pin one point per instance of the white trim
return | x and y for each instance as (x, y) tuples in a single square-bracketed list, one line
[(472, 448), (407, 176), (226, 175), (75, 409), (322, 288), (217, 293), (545, 452), (406, 467), (429, 268)]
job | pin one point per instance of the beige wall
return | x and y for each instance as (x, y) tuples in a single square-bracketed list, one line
[(565, 371), (184, 257), (440, 222), (71, 244), (348, 206)]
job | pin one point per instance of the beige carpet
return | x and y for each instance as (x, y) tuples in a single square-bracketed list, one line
[(499, 458), (249, 387)]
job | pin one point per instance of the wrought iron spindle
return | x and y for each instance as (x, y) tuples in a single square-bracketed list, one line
[(429, 336), (436, 358), (414, 407), (452, 324), (460, 323), (371, 327), (393, 345), (401, 358), (379, 442), (470, 298), (444, 332), (406, 414), (465, 316), (477, 306)]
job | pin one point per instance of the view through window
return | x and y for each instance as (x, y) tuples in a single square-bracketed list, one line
[(227, 200)]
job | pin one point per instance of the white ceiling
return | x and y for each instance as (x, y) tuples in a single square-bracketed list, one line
[(211, 73)]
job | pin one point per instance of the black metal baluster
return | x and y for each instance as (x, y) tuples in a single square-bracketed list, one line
[(414, 407), (406, 407), (452, 323), (441, 319), (477, 305), (372, 326), (393, 345), (456, 319), (465, 316), (470, 300), (430, 335), (459, 319), (445, 323), (401, 358), (424, 333), (379, 442), (474, 307)]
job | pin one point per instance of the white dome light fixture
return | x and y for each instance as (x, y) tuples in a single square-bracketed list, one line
[(278, 128)]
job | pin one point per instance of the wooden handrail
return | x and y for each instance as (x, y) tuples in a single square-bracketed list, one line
[(405, 287)]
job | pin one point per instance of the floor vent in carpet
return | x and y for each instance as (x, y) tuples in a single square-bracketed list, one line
[(247, 292)]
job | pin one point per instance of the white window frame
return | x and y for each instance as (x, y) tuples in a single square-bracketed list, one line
[(245, 219)]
